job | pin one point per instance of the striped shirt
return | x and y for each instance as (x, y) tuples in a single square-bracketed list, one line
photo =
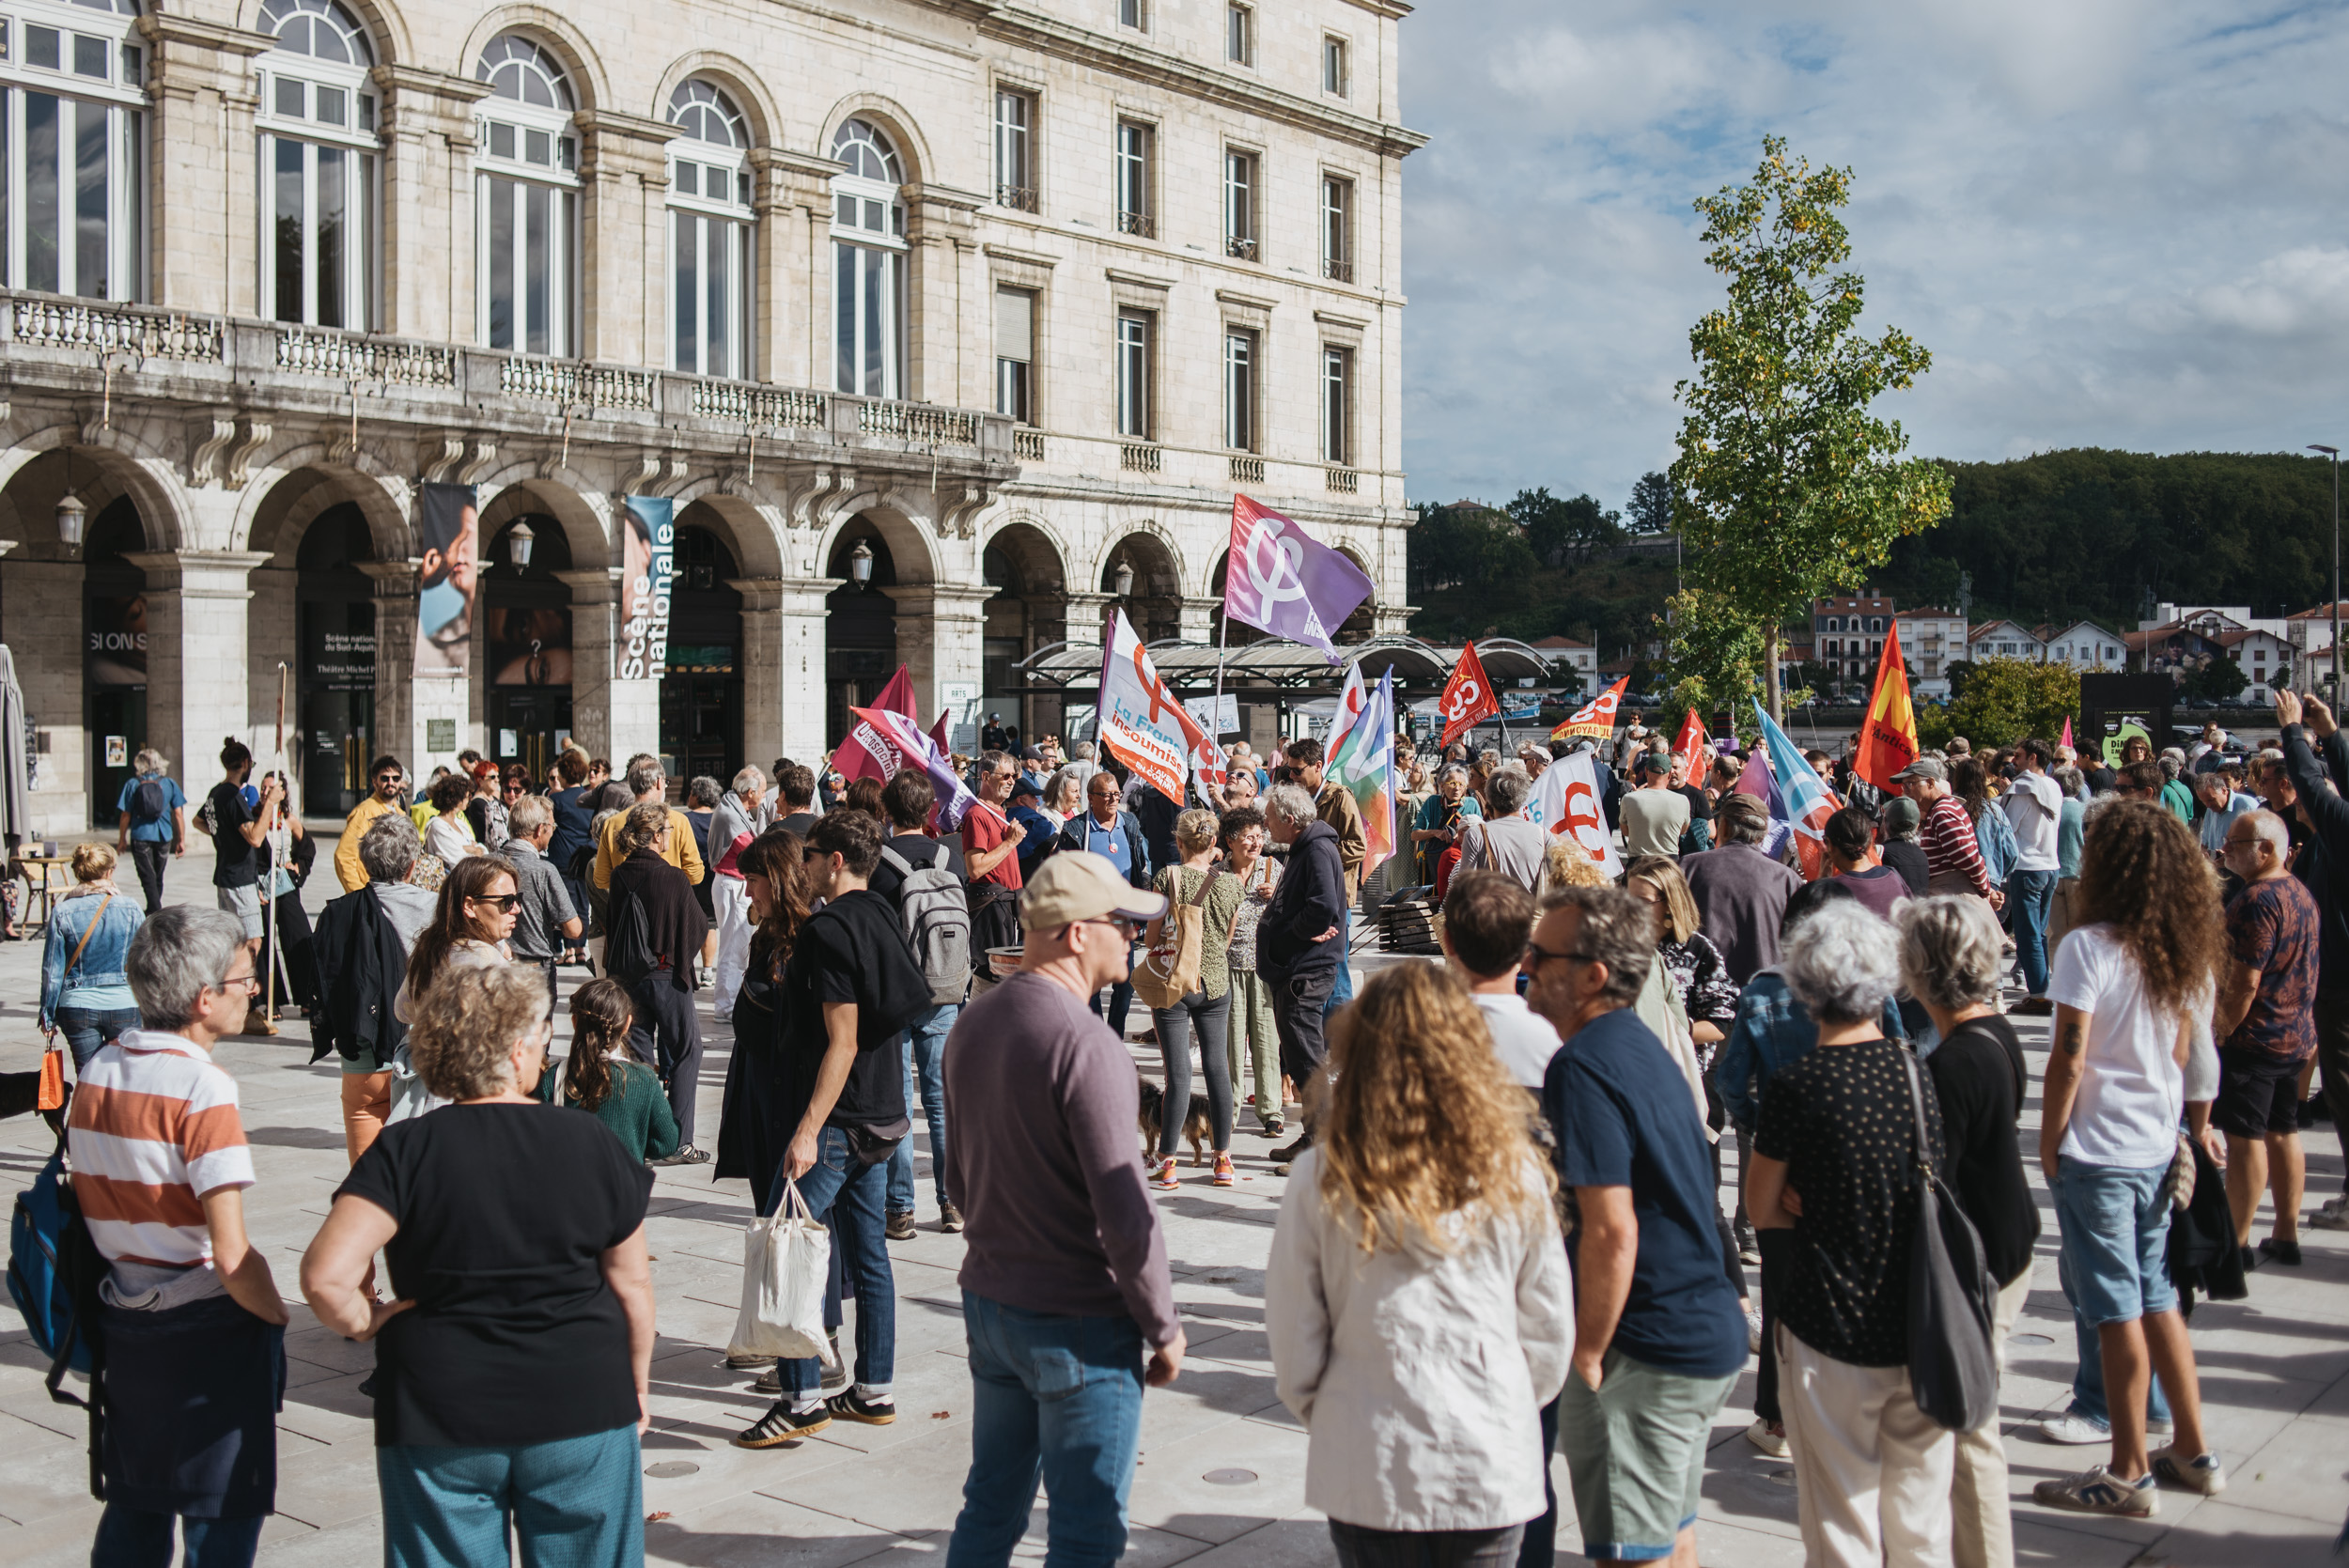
[(155, 1127), (1953, 859)]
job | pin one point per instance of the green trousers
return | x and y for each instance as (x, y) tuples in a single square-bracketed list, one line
[(1255, 1050)]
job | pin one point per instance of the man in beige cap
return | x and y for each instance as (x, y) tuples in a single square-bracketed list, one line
[(1066, 1262)]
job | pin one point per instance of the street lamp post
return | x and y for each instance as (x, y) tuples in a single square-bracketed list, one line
[(2334, 452)]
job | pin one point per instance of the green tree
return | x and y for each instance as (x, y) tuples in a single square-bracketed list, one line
[(1787, 487), (1467, 546), (1713, 657), (1651, 504), (1561, 531), (2218, 681), (2005, 700)]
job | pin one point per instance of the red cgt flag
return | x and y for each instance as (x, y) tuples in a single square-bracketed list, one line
[(1467, 696), (1595, 719), (1690, 746)]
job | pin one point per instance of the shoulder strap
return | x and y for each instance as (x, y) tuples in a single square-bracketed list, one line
[(903, 866), (1233, 929), (1916, 1106), (91, 930), (1206, 881)]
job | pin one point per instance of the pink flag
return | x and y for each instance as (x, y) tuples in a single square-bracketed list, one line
[(1282, 580), (868, 753), (899, 732)]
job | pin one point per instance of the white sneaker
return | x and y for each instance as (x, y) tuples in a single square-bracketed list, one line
[(1771, 1442), (2074, 1428), (1753, 1330), (2097, 1490), (2334, 1216)]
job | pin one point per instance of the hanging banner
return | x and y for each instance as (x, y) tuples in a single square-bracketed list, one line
[(526, 647), (449, 579), (1565, 802), (648, 555), (1142, 723), (1467, 696), (1594, 719)]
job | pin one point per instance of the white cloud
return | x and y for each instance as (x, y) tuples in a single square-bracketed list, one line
[(2119, 223)]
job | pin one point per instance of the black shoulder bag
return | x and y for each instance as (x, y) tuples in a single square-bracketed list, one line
[(1951, 1369)]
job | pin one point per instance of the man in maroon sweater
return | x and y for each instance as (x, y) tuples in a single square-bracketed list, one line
[(1064, 1285)]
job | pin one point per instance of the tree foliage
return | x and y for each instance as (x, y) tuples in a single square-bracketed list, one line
[(1562, 532), (1787, 487), (1468, 546), (2218, 681), (1714, 656), (2005, 700), (1651, 505)]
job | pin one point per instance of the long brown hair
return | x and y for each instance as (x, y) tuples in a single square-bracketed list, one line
[(601, 1015), (469, 878), (1676, 905), (2144, 873), (777, 856), (1421, 1122)]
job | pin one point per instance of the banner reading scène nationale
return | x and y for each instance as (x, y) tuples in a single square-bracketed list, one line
[(648, 560)]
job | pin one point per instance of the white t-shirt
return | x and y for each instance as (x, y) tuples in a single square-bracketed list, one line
[(1522, 1038), (2035, 809), (2132, 1090)]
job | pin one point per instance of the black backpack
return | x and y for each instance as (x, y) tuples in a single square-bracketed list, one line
[(149, 802), (627, 955)]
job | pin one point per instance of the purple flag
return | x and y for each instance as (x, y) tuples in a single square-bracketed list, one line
[(1282, 580)]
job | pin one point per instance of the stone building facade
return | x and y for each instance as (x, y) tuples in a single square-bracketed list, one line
[(993, 303)]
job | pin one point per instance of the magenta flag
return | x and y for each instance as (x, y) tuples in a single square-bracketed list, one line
[(955, 798), (1282, 580)]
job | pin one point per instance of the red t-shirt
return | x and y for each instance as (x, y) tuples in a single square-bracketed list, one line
[(983, 830)]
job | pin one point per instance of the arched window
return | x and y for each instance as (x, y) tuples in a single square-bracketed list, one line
[(73, 85), (711, 233), (868, 231), (318, 146), (526, 227)]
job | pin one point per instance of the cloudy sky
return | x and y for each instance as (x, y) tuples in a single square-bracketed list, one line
[(2114, 223)]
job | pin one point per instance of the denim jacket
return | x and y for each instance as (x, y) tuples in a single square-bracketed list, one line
[(98, 980), (1772, 1031)]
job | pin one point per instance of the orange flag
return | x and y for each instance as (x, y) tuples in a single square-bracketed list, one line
[(1690, 747), (1888, 736), (1467, 696)]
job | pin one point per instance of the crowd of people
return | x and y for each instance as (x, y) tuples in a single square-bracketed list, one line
[(1508, 1232)]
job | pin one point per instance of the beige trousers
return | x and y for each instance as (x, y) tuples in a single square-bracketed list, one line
[(1981, 1516), (1872, 1471)]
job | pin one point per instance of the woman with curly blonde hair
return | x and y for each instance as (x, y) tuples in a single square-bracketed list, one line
[(1417, 1300), (2133, 986)]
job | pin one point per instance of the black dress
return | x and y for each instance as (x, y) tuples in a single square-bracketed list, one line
[(751, 1144)]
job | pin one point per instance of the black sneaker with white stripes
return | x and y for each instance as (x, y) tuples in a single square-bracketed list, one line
[(782, 1424)]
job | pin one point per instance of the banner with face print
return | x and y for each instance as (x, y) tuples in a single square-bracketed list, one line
[(449, 579), (648, 552)]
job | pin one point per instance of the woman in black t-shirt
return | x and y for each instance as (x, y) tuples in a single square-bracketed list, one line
[(523, 1323), (1835, 1161), (1950, 961)]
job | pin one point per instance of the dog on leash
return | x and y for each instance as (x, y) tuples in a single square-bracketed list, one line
[(1196, 1127)]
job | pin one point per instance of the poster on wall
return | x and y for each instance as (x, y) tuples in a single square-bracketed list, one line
[(449, 581), (648, 546), (528, 647), (114, 648)]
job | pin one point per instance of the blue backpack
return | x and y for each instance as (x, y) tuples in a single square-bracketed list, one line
[(54, 1273)]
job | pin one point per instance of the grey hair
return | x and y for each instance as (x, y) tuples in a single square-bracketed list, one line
[(705, 792), (148, 761), (1451, 770), (2070, 780), (2172, 766), (1081, 750), (388, 848), (528, 815), (644, 777), (748, 779), (2270, 827), (177, 954), (1617, 929), (1506, 790), (1949, 951), (1842, 963), (1291, 804)]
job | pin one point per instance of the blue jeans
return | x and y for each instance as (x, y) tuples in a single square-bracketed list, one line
[(1057, 1399), (2113, 1265), (575, 1502), (1343, 992), (2029, 900), (925, 1051), (848, 1197), (141, 1538), (87, 1030)]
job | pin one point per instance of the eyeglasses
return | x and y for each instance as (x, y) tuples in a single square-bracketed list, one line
[(1118, 924), (502, 900), (238, 983), (1535, 954)]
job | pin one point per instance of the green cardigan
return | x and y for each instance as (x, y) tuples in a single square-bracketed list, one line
[(637, 1110)]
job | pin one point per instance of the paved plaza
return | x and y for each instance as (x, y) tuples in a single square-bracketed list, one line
[(1221, 1480)]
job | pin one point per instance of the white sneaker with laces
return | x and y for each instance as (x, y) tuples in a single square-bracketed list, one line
[(2074, 1428), (1771, 1442), (2201, 1472), (2334, 1216), (2097, 1490)]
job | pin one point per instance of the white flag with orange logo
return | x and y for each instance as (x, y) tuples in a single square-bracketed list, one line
[(1566, 802), (1142, 723)]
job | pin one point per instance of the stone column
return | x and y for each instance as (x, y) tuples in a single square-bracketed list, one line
[(623, 166), (396, 728), (941, 228), (1088, 615), (942, 636), (429, 141), (792, 195), (196, 648), (1196, 619), (610, 718), (783, 666), (201, 189)]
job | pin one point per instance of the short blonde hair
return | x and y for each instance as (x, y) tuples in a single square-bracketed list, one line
[(1571, 866), (1195, 830), (468, 1024), (93, 862)]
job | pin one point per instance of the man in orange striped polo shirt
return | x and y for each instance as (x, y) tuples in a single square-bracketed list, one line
[(193, 1327)]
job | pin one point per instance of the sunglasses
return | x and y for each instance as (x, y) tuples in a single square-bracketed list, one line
[(501, 900)]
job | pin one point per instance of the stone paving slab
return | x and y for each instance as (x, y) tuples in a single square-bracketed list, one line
[(2274, 1382)]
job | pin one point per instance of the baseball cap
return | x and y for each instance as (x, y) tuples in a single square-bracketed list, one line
[(1076, 885), (1923, 767), (1031, 753), (1654, 762), (1901, 815), (1025, 786)]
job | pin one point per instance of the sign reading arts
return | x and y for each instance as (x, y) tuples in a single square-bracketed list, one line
[(648, 546)]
